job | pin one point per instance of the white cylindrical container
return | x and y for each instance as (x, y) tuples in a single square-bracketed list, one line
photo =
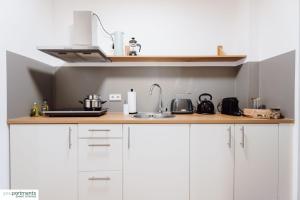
[(118, 43), (131, 97), (125, 108)]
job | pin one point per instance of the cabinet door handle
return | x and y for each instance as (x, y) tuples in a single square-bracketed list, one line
[(229, 137), (99, 179), (128, 142), (70, 137), (242, 143), (99, 130), (99, 145)]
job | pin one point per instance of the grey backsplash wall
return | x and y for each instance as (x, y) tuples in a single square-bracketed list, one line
[(277, 82), (73, 84), (247, 83), (29, 81), (273, 80)]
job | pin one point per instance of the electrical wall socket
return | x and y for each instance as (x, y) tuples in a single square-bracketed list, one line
[(115, 97)]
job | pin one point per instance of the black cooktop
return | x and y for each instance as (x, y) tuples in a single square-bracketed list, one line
[(74, 113)]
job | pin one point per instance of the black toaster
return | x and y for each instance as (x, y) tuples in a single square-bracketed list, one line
[(182, 106)]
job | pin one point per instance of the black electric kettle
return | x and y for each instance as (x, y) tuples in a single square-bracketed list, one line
[(205, 105)]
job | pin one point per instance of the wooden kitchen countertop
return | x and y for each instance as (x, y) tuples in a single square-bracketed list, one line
[(119, 118)]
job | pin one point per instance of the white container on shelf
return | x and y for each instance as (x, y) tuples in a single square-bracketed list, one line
[(118, 43)]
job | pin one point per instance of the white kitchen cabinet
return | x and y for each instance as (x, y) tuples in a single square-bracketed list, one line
[(100, 161), (146, 162), (256, 162), (156, 162), (212, 162), (87, 131), (100, 154), (287, 162), (103, 185), (44, 157)]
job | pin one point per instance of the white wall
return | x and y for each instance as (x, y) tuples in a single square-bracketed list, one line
[(274, 27), (24, 25), (275, 30), (297, 131), (259, 28), (178, 27)]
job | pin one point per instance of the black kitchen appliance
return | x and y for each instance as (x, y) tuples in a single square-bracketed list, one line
[(230, 106), (182, 106), (74, 113), (205, 105)]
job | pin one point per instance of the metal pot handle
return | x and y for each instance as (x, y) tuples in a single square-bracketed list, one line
[(140, 46)]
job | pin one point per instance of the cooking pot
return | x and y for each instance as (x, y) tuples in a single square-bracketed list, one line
[(92, 102)]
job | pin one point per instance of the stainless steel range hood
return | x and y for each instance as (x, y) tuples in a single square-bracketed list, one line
[(74, 54)]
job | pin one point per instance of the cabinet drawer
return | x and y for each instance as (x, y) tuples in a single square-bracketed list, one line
[(100, 154), (100, 130), (100, 185)]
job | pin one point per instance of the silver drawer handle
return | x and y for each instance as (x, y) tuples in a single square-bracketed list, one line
[(70, 137), (99, 179), (100, 137), (99, 145), (128, 142), (242, 143), (99, 130), (229, 137)]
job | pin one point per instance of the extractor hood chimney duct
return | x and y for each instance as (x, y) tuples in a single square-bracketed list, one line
[(84, 41)]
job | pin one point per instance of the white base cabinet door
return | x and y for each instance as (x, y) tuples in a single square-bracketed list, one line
[(44, 157), (287, 169), (212, 162), (156, 162), (256, 162)]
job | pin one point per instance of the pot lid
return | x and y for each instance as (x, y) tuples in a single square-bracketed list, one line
[(94, 97)]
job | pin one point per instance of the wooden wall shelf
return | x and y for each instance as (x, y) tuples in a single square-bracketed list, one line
[(227, 58), (165, 61)]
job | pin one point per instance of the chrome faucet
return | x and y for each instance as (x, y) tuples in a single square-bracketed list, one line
[(160, 105)]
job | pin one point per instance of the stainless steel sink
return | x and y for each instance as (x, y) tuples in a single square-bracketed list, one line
[(153, 115)]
